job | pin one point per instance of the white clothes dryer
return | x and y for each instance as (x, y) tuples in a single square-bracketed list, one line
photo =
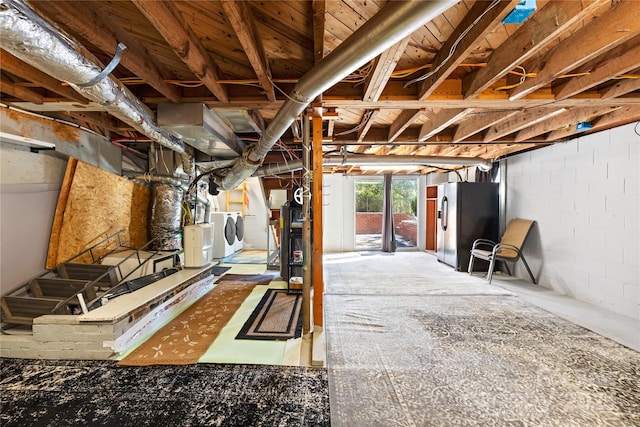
[(224, 234)]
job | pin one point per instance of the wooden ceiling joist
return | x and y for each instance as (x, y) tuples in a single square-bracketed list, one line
[(520, 121), (403, 121), (97, 28), (25, 71), (368, 118), (622, 87), (440, 121), (9, 87), (319, 10), (481, 19), (619, 24), (479, 122), (567, 119), (614, 118), (628, 60), (166, 18), (242, 22), (543, 27), (384, 67)]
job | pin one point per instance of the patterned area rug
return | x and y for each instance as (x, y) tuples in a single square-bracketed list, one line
[(187, 337), (98, 393), (472, 360), (276, 318), (258, 279)]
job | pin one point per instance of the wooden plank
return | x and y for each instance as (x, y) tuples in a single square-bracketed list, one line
[(479, 122), (318, 249), (58, 218), (403, 121), (97, 28), (98, 203), (384, 67), (440, 121), (618, 25), (627, 60), (245, 28), (10, 88), (568, 118), (618, 117), (25, 71), (520, 121), (622, 87), (368, 118), (165, 17), (319, 11), (480, 20), (543, 27)]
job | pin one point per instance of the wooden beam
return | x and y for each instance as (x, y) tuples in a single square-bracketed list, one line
[(365, 124), (102, 120), (318, 7), (440, 121), (568, 118), (403, 121), (622, 87), (384, 67), (25, 71), (627, 60), (520, 121), (168, 21), (618, 117), (317, 251), (480, 21), (100, 30), (7, 86), (612, 28), (479, 122), (540, 29), (243, 23)]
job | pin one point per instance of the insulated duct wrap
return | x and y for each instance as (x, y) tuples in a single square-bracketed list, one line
[(26, 35), (165, 216)]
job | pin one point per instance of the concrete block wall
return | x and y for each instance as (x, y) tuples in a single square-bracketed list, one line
[(584, 195)]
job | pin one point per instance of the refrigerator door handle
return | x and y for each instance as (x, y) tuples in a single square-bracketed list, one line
[(444, 208)]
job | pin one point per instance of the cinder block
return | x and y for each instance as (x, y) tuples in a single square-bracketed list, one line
[(612, 152), (631, 292), (623, 168), (606, 219), (631, 256), (591, 204), (595, 140), (607, 187), (623, 203), (593, 173), (564, 149), (622, 273), (563, 176), (624, 133), (550, 164), (632, 225)]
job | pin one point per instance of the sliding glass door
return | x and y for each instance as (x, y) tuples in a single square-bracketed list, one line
[(369, 195)]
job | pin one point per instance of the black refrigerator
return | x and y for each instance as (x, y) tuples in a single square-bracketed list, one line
[(466, 211)]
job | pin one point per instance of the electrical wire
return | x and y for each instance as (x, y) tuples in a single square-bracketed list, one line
[(454, 46)]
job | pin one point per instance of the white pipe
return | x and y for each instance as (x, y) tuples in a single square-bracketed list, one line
[(364, 159), (395, 21)]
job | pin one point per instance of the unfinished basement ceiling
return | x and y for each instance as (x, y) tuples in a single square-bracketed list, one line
[(464, 85)]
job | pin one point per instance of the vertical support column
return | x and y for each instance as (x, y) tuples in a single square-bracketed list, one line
[(318, 278), (306, 226)]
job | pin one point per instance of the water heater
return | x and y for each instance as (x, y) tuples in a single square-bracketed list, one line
[(198, 245)]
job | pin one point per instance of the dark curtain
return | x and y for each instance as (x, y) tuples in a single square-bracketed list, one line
[(388, 233)]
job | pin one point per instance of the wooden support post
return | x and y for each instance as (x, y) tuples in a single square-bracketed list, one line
[(316, 191)]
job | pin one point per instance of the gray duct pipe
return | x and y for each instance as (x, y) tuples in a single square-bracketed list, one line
[(394, 22), (29, 37), (364, 159)]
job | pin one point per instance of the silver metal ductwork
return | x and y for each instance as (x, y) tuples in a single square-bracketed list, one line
[(26, 35), (363, 159), (202, 128), (390, 25)]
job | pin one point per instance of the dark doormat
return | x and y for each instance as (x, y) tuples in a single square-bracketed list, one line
[(99, 393), (276, 318)]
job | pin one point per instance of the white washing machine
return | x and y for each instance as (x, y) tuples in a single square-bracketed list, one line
[(224, 233), (239, 231)]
